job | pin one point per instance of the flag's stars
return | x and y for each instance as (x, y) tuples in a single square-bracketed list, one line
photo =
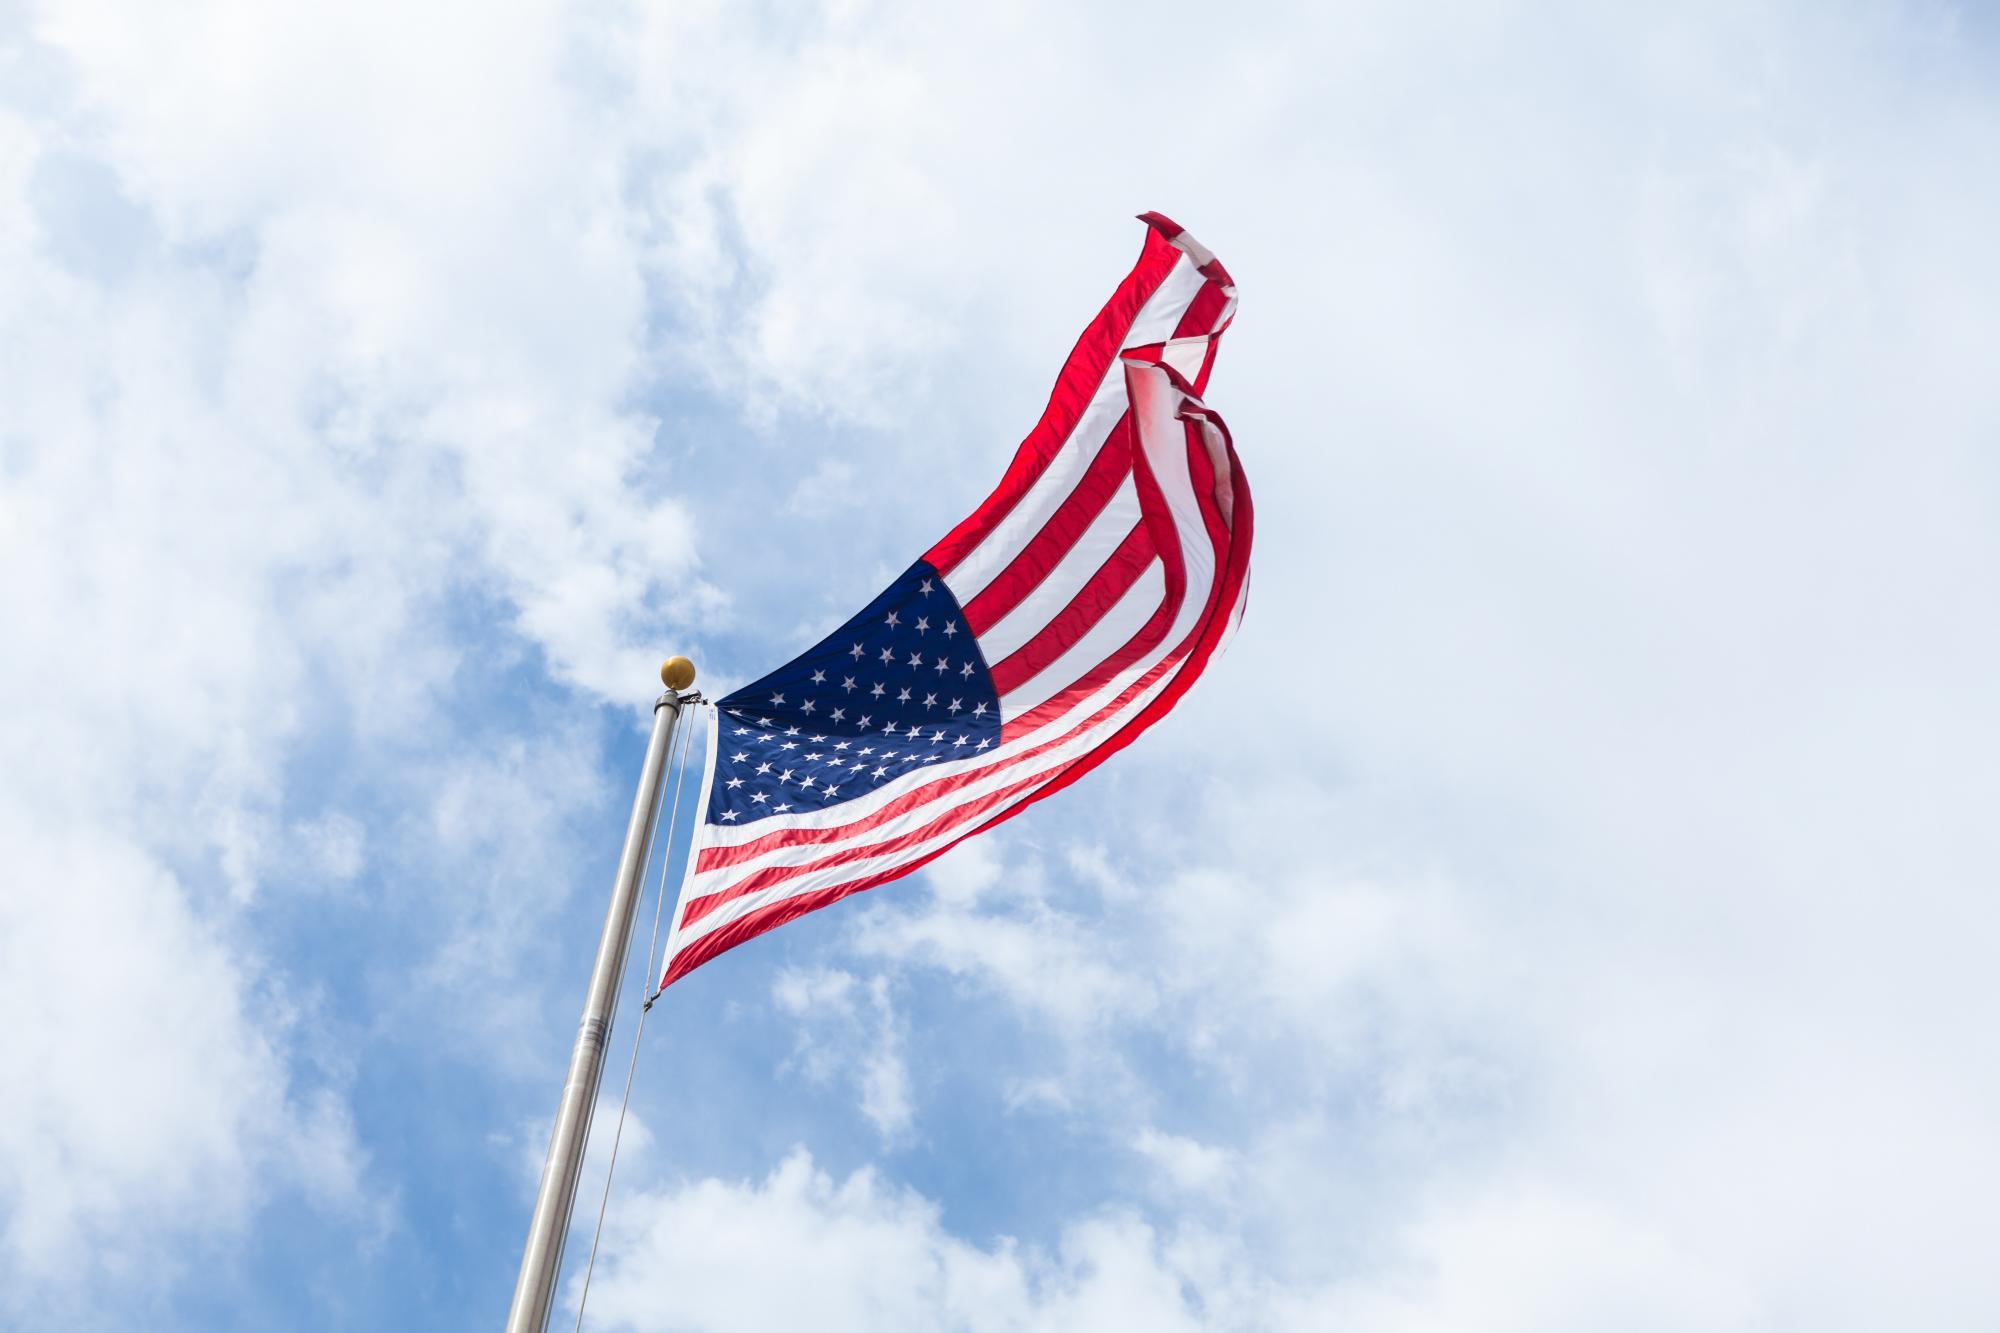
[(729, 815), (879, 772), (759, 797), (762, 769), (789, 745), (840, 745), (930, 701), (923, 624), (856, 763), (893, 620), (888, 654), (875, 691), (865, 720), (829, 790), (888, 728), (942, 664), (807, 706), (979, 710), (819, 677), (785, 776), (902, 696), (984, 741), (781, 807), (738, 757), (950, 628), (925, 587), (847, 684), (955, 708), (916, 659), (765, 722), (812, 755), (937, 735), (855, 652), (791, 731), (839, 713), (866, 749), (807, 785), (965, 670), (816, 739), (930, 759), (958, 742), (743, 731), (734, 783), (777, 698)]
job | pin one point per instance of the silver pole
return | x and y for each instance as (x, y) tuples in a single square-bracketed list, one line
[(541, 1260)]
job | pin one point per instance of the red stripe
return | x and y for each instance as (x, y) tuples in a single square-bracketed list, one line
[(1088, 362), (1113, 579), (1199, 318), (1233, 571), (1071, 520)]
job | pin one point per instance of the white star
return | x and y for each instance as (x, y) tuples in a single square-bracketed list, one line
[(923, 623), (888, 728), (863, 723), (828, 791), (930, 701), (819, 677), (764, 722), (789, 745), (841, 745), (902, 696), (866, 749), (806, 707), (925, 587), (780, 807), (888, 654), (759, 797), (916, 659), (729, 814), (791, 731), (839, 713), (738, 757), (814, 754), (950, 628), (876, 691), (942, 664), (980, 711), (937, 736), (965, 670), (777, 698), (815, 739), (807, 785), (879, 772), (785, 776), (743, 731), (855, 652), (892, 620), (960, 741), (983, 744), (734, 783), (955, 707), (847, 683), (762, 769)]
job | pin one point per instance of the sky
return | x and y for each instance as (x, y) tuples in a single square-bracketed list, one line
[(1567, 906)]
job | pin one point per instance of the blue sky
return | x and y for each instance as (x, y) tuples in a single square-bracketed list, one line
[(1566, 906)]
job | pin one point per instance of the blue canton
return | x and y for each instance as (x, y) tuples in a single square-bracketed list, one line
[(900, 686)]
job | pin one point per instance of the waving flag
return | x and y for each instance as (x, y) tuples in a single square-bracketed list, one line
[(1064, 617)]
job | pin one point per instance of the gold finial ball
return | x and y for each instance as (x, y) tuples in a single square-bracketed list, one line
[(677, 673)]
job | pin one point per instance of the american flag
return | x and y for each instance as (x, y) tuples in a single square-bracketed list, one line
[(1062, 618)]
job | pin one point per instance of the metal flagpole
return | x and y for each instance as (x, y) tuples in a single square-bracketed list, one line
[(541, 1259)]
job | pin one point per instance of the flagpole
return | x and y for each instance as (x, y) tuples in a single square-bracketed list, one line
[(541, 1259)]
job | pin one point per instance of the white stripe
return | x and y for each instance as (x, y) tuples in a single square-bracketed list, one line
[(1106, 637), (1031, 513), (1062, 583)]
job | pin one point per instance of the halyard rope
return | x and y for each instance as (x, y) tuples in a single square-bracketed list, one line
[(632, 1067)]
